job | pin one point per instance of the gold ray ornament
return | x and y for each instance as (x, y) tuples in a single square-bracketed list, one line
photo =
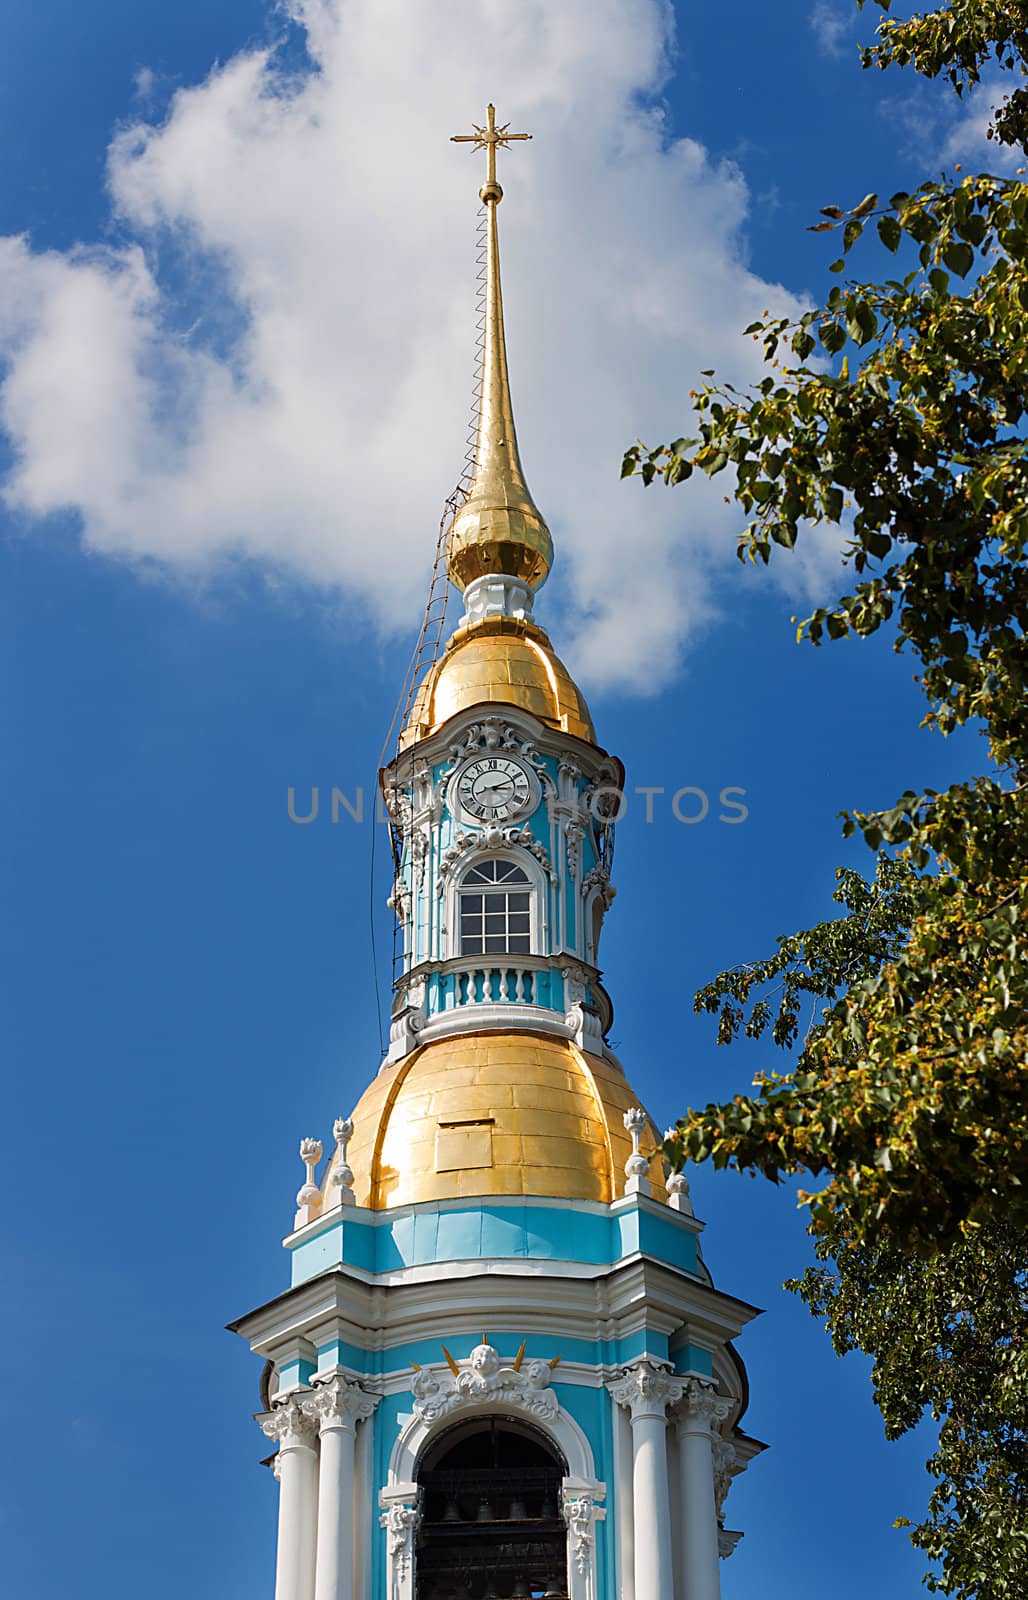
[(490, 139)]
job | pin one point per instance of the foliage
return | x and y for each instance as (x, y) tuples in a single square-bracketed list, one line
[(907, 1100), (944, 1328), (946, 1334)]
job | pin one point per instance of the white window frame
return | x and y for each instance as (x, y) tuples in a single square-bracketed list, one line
[(537, 918)]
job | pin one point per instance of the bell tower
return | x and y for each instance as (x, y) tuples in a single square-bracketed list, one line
[(498, 1172)]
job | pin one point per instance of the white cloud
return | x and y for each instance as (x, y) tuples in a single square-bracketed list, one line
[(275, 365), (967, 140), (832, 26)]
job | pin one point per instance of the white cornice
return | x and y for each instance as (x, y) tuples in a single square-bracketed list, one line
[(637, 1295)]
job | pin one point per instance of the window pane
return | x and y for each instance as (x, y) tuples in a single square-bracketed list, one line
[(471, 902), (495, 902), (518, 922), (517, 944), (470, 945), (517, 902), (495, 943), (496, 923)]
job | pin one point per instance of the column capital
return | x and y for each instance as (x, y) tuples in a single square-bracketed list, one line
[(702, 1409), (647, 1389), (288, 1424), (338, 1402)]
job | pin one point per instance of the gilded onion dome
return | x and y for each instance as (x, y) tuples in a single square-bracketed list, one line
[(499, 661), (493, 1114)]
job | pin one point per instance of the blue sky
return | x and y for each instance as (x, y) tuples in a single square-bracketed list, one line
[(213, 551)]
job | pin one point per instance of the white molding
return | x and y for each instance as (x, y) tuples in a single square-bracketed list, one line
[(416, 1434), (635, 1294), (492, 1015)]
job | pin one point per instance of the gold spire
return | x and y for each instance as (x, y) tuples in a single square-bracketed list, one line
[(499, 528)]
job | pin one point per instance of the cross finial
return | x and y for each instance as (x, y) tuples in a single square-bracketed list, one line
[(490, 139)]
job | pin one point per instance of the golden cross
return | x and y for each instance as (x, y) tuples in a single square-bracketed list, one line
[(490, 139)]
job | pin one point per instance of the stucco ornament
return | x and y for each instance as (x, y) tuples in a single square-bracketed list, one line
[(647, 1389), (725, 1457), (486, 1376), (518, 836), (338, 1403), (400, 1523), (580, 1514), (289, 1425)]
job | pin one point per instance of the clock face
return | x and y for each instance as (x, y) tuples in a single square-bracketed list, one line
[(494, 788)]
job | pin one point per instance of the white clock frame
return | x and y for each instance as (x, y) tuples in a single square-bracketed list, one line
[(453, 800)]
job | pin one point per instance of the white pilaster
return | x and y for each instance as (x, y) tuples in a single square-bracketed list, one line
[(578, 1503), (647, 1390), (625, 1535), (336, 1406), (698, 1418), (297, 1473), (400, 1519)]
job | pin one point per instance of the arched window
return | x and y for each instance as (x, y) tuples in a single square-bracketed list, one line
[(495, 899), (492, 1525)]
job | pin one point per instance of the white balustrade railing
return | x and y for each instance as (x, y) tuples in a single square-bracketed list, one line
[(479, 984)]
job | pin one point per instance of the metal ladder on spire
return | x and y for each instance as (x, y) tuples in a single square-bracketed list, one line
[(430, 636), (426, 650)]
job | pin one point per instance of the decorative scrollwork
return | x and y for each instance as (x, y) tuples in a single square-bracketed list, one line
[(486, 1377)]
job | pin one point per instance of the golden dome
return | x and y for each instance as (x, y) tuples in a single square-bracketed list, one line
[(493, 1114), (505, 661)]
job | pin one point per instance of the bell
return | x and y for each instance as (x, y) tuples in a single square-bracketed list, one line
[(555, 1591), (484, 1513), (452, 1512), (549, 1511), (517, 1513), (520, 1590)]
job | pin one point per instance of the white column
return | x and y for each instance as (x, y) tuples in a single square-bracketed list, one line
[(336, 1406), (647, 1390), (297, 1471), (698, 1417)]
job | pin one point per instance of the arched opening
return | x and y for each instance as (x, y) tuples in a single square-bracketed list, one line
[(491, 1523)]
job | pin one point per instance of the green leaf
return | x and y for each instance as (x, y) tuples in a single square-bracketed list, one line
[(851, 233), (959, 256), (890, 232)]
